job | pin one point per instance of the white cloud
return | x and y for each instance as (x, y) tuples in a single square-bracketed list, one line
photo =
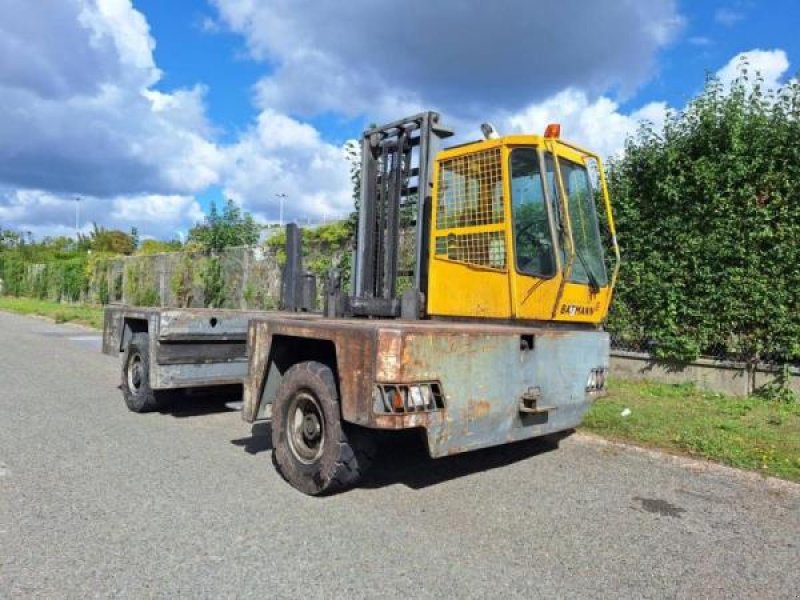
[(465, 58), (47, 214), (77, 110), (475, 61), (81, 114), (772, 65), (280, 155), (152, 209), (129, 32), (596, 124)]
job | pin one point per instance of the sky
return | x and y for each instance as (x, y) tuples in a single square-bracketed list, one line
[(147, 111)]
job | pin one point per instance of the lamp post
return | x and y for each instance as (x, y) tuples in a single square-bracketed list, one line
[(281, 197)]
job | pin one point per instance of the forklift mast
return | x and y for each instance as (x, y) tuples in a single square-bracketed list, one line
[(396, 180)]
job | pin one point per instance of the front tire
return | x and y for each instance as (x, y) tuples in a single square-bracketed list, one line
[(314, 450), (139, 396)]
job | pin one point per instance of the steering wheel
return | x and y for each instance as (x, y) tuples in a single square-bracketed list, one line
[(525, 232)]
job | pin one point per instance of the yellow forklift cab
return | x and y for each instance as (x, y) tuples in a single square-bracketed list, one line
[(515, 232)]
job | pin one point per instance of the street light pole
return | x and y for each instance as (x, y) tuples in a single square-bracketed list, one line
[(281, 197)]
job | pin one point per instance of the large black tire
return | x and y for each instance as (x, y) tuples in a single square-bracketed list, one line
[(313, 449), (139, 396)]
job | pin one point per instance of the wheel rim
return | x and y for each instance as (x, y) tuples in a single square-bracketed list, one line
[(135, 372), (305, 427)]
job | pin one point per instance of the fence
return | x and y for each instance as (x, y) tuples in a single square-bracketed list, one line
[(247, 278), (233, 278)]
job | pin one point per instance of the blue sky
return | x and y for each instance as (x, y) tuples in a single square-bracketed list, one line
[(148, 110), (712, 33)]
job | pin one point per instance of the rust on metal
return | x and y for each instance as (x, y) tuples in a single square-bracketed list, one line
[(483, 370)]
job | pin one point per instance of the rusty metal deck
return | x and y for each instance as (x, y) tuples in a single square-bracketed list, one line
[(484, 371)]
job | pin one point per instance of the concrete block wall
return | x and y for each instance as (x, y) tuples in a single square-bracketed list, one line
[(726, 377)]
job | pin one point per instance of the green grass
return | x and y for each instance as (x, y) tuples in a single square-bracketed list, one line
[(749, 433), (60, 313)]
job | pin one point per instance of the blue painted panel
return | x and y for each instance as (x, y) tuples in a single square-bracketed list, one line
[(484, 377)]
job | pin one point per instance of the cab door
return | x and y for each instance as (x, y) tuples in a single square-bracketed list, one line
[(468, 270), (585, 290), (536, 263)]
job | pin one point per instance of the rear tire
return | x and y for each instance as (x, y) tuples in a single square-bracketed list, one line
[(314, 450), (139, 396)]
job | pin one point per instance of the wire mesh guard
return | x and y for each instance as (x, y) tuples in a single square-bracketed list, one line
[(470, 195)]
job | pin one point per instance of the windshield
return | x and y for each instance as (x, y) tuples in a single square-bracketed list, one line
[(533, 244), (589, 260)]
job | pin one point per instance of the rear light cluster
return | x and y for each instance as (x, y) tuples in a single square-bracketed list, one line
[(597, 380), (404, 398)]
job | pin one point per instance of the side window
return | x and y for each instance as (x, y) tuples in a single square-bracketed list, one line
[(589, 261), (470, 211), (532, 240)]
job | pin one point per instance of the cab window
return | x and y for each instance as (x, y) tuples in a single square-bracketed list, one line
[(589, 261), (533, 246)]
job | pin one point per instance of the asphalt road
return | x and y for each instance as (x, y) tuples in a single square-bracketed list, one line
[(99, 502)]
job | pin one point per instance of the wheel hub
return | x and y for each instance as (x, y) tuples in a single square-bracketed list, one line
[(311, 427), (305, 427), (135, 372)]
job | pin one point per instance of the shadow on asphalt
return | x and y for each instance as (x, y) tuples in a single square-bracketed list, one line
[(198, 403), (403, 458), (260, 439)]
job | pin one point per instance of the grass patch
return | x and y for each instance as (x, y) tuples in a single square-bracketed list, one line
[(749, 433), (60, 313)]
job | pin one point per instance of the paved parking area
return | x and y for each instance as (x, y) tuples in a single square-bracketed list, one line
[(98, 502)]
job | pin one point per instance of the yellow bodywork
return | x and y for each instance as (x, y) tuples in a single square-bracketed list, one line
[(472, 266)]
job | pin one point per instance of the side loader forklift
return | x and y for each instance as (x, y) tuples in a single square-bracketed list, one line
[(490, 333)]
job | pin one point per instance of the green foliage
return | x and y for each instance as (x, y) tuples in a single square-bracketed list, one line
[(231, 228), (276, 243), (708, 216), (353, 155), (64, 279), (113, 241), (185, 279), (140, 286), (256, 297), (150, 247), (324, 247), (780, 388), (74, 281), (213, 278), (102, 291)]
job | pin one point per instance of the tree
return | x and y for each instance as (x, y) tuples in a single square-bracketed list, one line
[(112, 241), (148, 247), (708, 216), (231, 228)]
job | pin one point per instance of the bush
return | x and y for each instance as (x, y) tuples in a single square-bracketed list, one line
[(140, 287), (708, 217), (214, 283)]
